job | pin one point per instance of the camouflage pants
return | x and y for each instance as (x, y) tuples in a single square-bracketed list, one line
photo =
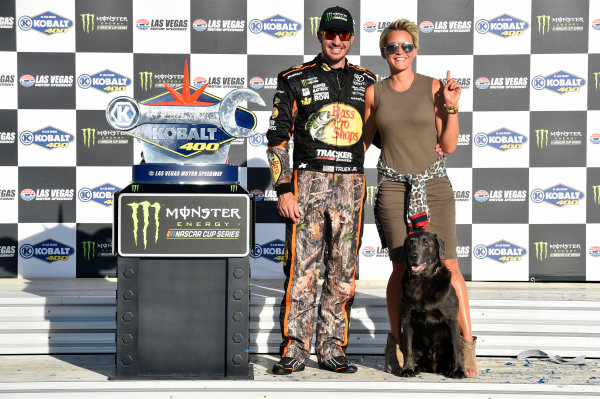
[(330, 226)]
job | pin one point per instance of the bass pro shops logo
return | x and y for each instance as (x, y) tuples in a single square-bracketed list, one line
[(47, 23), (48, 251), (501, 251), (144, 210)]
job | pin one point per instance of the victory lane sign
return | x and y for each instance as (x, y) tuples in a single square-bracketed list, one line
[(183, 225)]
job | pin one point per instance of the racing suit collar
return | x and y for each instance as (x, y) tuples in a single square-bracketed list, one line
[(324, 66)]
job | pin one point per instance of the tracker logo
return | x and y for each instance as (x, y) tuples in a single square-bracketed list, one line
[(272, 250), (277, 26), (7, 80), (7, 194), (545, 138), (501, 251), (8, 251), (368, 251), (7, 137), (560, 82), (102, 195), (541, 250), (49, 251), (7, 22), (47, 23), (558, 195), (503, 26), (502, 139), (48, 137), (141, 214), (106, 81), (145, 80)]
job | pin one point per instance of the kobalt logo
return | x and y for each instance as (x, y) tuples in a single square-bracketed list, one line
[(48, 251), (144, 208), (106, 81), (48, 137), (272, 250), (558, 195), (258, 140), (102, 195), (277, 26), (501, 251), (503, 26), (502, 139), (47, 23), (560, 82)]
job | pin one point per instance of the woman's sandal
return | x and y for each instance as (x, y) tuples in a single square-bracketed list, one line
[(469, 355), (394, 360)]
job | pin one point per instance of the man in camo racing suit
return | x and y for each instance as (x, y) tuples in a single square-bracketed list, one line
[(321, 103)]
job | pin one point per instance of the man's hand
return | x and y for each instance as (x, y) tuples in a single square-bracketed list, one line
[(287, 206)]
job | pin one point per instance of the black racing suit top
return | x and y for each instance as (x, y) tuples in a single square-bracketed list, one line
[(323, 108)]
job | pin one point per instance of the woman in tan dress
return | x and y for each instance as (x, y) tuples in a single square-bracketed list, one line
[(413, 113)]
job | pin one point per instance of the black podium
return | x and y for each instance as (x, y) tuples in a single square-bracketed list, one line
[(183, 280)]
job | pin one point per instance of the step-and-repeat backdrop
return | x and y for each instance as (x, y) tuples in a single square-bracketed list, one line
[(526, 174)]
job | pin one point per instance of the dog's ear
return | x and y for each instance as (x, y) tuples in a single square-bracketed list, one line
[(441, 246)]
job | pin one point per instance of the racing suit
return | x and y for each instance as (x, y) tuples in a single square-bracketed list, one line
[(323, 108)]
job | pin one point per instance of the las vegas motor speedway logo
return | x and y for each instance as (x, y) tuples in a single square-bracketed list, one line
[(187, 122)]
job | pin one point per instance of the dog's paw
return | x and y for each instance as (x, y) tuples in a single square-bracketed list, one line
[(407, 373), (459, 373)]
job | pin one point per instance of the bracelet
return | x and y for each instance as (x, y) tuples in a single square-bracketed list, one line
[(451, 110)]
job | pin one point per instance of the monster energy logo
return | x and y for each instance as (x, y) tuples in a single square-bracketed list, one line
[(328, 16), (135, 188), (596, 194), (541, 250), (371, 193), (543, 24), (87, 21), (145, 206), (541, 136), (88, 249), (596, 76), (314, 25), (233, 188), (146, 80), (89, 137)]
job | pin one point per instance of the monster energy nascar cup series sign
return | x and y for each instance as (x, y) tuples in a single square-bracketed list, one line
[(183, 225)]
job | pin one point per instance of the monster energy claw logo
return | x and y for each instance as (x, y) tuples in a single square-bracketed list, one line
[(329, 16), (314, 25), (541, 250), (135, 188), (146, 80), (541, 136), (87, 21), (89, 137), (89, 249), (596, 194), (233, 188), (543, 24), (596, 78), (145, 205), (371, 193)]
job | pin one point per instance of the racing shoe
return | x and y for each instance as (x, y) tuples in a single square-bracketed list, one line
[(338, 364), (287, 365)]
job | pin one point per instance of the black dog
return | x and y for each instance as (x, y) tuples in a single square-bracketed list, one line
[(430, 333)]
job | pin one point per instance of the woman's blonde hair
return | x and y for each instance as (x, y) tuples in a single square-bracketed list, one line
[(400, 24)]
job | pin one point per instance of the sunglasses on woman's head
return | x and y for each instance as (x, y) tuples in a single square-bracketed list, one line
[(392, 48), (330, 35)]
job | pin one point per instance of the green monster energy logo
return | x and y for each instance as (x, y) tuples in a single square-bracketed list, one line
[(233, 188), (88, 249), (145, 205), (543, 24), (329, 16), (371, 193), (135, 188), (541, 136), (146, 80), (596, 76), (87, 21), (541, 250), (596, 194), (89, 137), (314, 25)]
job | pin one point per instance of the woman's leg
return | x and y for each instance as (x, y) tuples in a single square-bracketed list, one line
[(464, 312), (393, 295)]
